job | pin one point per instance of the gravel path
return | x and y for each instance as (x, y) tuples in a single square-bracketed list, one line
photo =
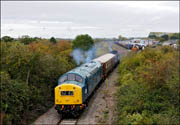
[(50, 117), (101, 108)]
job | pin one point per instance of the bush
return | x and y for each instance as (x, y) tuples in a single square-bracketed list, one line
[(149, 87)]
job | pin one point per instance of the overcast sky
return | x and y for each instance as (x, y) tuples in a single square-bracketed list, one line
[(98, 19)]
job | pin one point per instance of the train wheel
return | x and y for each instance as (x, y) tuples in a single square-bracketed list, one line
[(86, 104), (59, 112)]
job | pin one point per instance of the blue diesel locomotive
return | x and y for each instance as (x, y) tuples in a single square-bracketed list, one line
[(75, 87)]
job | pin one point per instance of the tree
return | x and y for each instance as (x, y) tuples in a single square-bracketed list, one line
[(53, 40), (122, 38), (26, 39), (162, 40), (175, 36), (166, 37), (63, 45), (7, 39), (83, 42), (152, 36)]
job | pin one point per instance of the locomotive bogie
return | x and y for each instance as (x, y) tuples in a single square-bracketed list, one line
[(69, 109)]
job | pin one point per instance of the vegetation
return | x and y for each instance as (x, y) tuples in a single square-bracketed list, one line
[(152, 36), (122, 38), (166, 37), (149, 87), (7, 39), (161, 36), (83, 42), (174, 36), (53, 40), (29, 72)]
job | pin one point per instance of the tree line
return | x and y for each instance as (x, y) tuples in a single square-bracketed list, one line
[(165, 37)]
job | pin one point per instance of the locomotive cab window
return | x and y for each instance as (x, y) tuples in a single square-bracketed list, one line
[(64, 93), (78, 78), (71, 77), (63, 79)]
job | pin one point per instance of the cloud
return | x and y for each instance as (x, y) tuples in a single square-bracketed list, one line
[(17, 26), (84, 27), (97, 18), (55, 22)]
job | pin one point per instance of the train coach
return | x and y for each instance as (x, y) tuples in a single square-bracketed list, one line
[(108, 62), (76, 86), (117, 58)]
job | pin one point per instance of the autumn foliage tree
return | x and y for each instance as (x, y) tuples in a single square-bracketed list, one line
[(63, 45)]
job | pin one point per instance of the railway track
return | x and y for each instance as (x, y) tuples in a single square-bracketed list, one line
[(67, 121)]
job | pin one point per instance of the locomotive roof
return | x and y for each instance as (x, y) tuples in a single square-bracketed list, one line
[(86, 69), (105, 57)]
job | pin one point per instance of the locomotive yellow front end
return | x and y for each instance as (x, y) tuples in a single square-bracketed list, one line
[(68, 99), (68, 94)]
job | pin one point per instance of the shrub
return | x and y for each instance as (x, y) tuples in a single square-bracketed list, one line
[(149, 87)]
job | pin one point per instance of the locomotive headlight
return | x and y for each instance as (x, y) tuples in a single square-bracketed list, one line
[(74, 87), (77, 100), (58, 101)]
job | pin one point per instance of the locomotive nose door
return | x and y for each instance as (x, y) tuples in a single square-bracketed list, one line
[(86, 88)]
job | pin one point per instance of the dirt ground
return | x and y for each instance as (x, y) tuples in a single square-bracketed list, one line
[(50, 117), (101, 108)]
